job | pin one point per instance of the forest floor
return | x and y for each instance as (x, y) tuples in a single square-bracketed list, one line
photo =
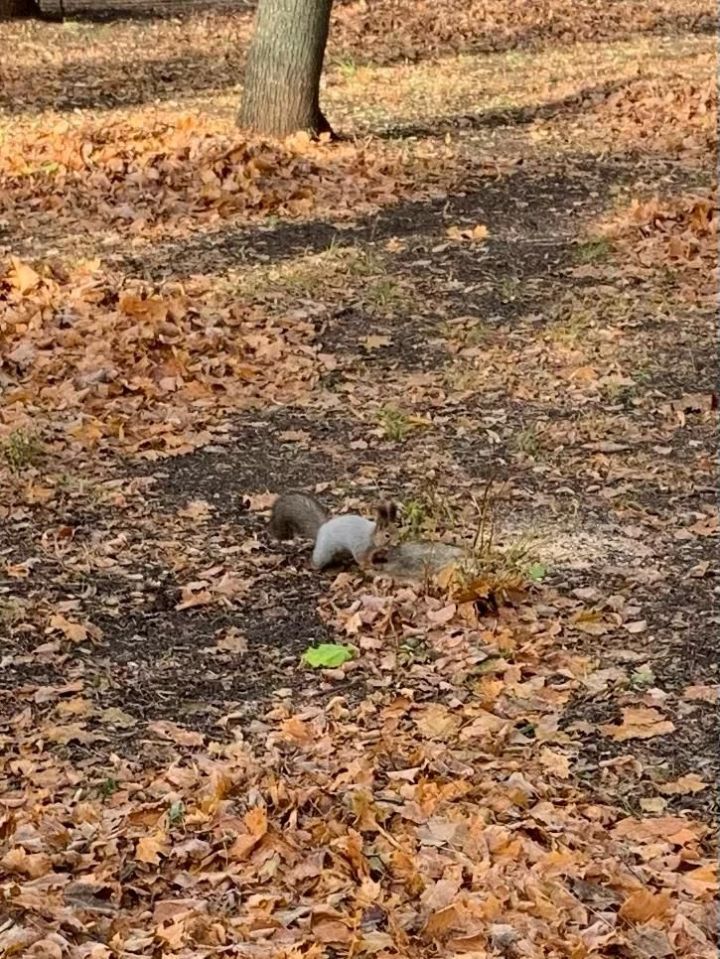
[(498, 288)]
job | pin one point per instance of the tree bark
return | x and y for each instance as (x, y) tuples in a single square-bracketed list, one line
[(282, 77), (14, 9)]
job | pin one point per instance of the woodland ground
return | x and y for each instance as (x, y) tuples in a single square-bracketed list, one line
[(503, 277)]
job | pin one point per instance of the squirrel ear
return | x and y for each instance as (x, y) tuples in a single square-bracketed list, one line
[(387, 513)]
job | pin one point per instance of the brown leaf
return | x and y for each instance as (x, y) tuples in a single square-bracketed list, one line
[(437, 722), (329, 931), (442, 616), (375, 341), (75, 632), (555, 763), (639, 723), (194, 595), (72, 732), (232, 642), (115, 716), (32, 865), (176, 734), (706, 694), (690, 783)]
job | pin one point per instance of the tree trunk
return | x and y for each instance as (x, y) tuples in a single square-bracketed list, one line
[(14, 9), (282, 77)]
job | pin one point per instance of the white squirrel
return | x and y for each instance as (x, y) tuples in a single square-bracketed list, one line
[(368, 542), (335, 537)]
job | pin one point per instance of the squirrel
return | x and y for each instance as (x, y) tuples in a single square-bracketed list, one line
[(335, 537), (369, 543)]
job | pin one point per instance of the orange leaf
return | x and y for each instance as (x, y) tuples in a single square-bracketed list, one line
[(644, 905)]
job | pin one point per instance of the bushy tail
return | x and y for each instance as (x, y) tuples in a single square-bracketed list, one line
[(297, 514)]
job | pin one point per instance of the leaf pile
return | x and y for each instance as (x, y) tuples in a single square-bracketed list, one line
[(132, 177), (98, 361), (677, 232), (676, 116), (412, 29)]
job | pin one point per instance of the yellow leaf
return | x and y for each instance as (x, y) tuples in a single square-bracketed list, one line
[(23, 277), (555, 763), (150, 848)]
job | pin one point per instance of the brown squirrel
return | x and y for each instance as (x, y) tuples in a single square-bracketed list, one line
[(335, 537), (368, 542)]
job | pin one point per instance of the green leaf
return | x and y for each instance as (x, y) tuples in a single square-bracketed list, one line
[(537, 572), (327, 655), (643, 676), (176, 813)]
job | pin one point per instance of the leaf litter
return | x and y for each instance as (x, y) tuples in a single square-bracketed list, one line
[(481, 774)]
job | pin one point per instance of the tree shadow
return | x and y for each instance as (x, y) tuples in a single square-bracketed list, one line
[(503, 117), (88, 11), (534, 202), (106, 84)]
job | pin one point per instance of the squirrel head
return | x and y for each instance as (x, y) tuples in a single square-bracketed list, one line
[(386, 517)]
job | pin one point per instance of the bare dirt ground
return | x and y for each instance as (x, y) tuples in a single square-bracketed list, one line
[(502, 277)]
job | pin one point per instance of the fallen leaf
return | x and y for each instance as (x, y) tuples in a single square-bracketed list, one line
[(690, 783), (706, 694), (176, 734), (555, 762), (437, 722), (638, 723), (232, 642), (75, 632), (194, 595), (22, 276), (115, 716), (643, 905), (149, 849), (375, 341), (327, 655)]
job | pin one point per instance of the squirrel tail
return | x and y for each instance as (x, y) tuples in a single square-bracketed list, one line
[(297, 514)]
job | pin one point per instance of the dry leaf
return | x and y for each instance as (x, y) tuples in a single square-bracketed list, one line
[(232, 642), (706, 694), (75, 632), (638, 723), (194, 595), (690, 783), (150, 848), (176, 734), (643, 905), (23, 277), (376, 341), (437, 722), (555, 762)]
